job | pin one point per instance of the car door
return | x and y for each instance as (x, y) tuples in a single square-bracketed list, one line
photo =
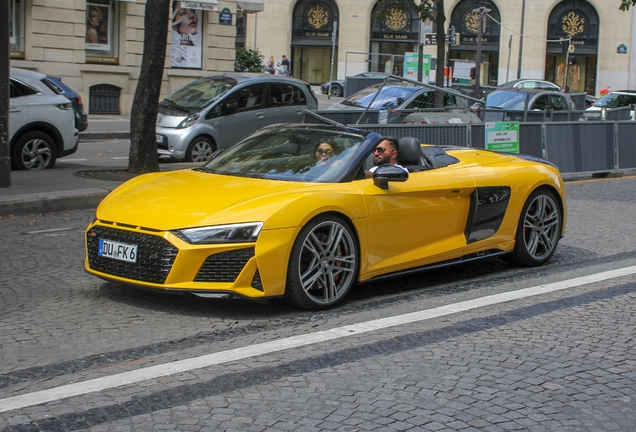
[(19, 98), (286, 103), (239, 114), (417, 221)]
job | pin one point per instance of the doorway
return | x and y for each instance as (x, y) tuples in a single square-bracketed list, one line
[(312, 64)]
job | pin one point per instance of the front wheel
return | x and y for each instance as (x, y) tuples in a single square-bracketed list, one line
[(539, 229), (336, 90), (201, 149), (34, 151), (323, 265)]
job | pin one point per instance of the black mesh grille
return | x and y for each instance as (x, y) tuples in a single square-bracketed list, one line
[(155, 255), (224, 266)]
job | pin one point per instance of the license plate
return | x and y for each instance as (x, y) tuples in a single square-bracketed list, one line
[(118, 251), (160, 138)]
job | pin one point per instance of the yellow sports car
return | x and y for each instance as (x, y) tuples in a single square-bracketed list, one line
[(294, 211)]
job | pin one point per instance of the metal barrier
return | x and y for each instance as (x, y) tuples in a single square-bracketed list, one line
[(575, 147)]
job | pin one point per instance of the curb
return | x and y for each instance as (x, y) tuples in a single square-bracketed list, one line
[(50, 203)]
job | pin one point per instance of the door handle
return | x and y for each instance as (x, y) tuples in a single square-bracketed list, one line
[(260, 114), (14, 109)]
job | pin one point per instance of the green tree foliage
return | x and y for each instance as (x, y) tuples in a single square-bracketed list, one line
[(625, 4), (249, 60)]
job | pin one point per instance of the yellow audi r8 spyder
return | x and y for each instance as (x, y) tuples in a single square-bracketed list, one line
[(275, 215)]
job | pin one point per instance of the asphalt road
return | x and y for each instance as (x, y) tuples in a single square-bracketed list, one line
[(481, 346)]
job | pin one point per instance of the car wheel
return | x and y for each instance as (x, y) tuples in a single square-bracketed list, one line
[(323, 265), (539, 229), (336, 90), (200, 150), (34, 151)]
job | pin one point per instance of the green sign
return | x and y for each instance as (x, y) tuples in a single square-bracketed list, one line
[(502, 136), (411, 63)]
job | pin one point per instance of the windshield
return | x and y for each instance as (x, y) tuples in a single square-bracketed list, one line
[(198, 93), (608, 101), (391, 96), (512, 100), (288, 154)]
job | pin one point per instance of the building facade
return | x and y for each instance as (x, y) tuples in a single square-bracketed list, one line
[(96, 45)]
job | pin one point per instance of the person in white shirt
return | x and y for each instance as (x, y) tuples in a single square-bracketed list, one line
[(385, 153)]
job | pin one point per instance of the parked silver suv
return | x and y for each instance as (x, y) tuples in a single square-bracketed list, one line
[(214, 112), (41, 123)]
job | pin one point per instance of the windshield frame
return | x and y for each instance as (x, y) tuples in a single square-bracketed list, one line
[(288, 153)]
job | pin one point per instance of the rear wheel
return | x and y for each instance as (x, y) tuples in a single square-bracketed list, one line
[(200, 150), (34, 151), (539, 229), (323, 265), (336, 90)]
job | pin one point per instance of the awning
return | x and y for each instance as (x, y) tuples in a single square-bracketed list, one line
[(200, 4), (251, 5)]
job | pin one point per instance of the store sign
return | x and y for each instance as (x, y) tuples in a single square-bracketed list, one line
[(225, 17)]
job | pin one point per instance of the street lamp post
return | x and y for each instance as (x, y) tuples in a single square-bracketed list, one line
[(523, 13), (481, 11)]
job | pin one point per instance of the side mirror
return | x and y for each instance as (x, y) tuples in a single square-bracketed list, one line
[(389, 173)]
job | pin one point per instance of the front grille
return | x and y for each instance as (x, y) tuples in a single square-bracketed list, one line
[(155, 255), (224, 266)]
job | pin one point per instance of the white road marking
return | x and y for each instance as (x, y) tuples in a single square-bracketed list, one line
[(49, 230), (120, 157), (152, 372), (73, 160)]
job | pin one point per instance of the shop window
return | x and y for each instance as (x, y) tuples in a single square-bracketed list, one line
[(16, 29), (102, 31)]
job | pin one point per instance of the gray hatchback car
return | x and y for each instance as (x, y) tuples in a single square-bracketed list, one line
[(214, 112)]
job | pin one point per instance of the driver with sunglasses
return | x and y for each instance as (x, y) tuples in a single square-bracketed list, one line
[(385, 153)]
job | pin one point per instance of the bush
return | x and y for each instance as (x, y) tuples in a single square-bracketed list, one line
[(248, 60)]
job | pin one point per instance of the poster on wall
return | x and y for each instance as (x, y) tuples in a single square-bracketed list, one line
[(187, 46), (98, 25)]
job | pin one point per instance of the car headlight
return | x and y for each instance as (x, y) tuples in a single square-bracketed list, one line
[(65, 106), (189, 121), (235, 233)]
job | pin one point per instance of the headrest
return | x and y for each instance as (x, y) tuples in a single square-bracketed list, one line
[(410, 152)]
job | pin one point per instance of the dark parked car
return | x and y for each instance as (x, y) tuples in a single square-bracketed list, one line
[(338, 86), (56, 84), (520, 99)]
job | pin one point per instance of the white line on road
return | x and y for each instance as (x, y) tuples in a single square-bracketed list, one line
[(152, 372)]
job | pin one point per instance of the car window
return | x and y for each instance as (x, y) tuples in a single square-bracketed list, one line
[(631, 99), (18, 89), (286, 95), (541, 103), (608, 101), (558, 103), (52, 85), (512, 100), (391, 96), (198, 93), (248, 98)]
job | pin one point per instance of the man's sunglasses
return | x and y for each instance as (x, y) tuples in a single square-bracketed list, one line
[(381, 150)]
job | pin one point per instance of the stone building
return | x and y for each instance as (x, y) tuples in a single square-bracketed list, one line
[(96, 45)]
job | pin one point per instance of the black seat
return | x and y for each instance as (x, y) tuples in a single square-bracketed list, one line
[(410, 155)]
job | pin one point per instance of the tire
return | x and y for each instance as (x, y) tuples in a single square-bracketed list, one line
[(336, 90), (201, 149), (323, 265), (34, 151), (539, 229)]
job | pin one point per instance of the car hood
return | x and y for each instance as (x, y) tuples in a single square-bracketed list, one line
[(190, 198), (170, 121)]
